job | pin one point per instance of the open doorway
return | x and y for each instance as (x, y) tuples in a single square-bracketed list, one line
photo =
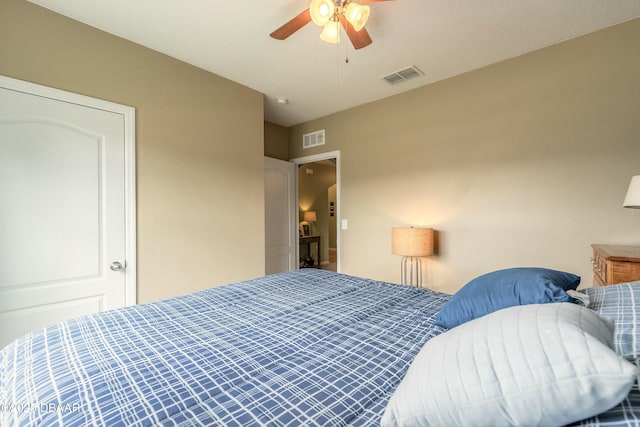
[(318, 205)]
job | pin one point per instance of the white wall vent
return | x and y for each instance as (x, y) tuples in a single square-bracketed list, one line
[(403, 75), (313, 139)]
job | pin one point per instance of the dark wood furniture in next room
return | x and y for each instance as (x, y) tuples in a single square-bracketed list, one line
[(308, 257)]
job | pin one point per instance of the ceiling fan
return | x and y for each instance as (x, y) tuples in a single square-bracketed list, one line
[(330, 14)]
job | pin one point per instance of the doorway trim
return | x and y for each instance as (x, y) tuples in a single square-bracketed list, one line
[(315, 158), (129, 117)]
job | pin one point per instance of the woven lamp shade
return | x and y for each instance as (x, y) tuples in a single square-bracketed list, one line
[(412, 242), (633, 194)]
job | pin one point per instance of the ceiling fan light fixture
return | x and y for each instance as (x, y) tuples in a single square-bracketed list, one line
[(332, 15), (357, 15), (331, 32), (322, 11)]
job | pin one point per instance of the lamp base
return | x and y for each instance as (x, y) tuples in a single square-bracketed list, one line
[(411, 271)]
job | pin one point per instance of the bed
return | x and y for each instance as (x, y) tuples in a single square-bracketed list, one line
[(305, 348)]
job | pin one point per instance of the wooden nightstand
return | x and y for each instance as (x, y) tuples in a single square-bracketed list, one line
[(615, 264)]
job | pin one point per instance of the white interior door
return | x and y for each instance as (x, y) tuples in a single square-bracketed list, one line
[(63, 216), (280, 216)]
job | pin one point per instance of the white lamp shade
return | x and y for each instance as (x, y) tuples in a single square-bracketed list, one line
[(417, 242), (633, 194), (331, 32), (357, 15), (310, 216), (321, 11)]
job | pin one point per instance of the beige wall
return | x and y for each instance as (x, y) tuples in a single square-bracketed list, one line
[(276, 141), (333, 198), (522, 163), (196, 133)]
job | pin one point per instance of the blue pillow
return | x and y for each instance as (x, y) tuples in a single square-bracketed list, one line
[(506, 288)]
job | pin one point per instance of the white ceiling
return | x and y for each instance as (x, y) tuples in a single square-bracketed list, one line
[(443, 38)]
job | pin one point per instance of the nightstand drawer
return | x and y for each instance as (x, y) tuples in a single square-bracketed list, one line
[(623, 272), (615, 264)]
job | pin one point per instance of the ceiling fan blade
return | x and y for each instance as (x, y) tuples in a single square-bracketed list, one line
[(292, 26), (359, 39)]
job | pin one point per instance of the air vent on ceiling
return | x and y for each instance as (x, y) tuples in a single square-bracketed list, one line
[(402, 75), (313, 139)]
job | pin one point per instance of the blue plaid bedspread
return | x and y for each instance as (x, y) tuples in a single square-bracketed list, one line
[(296, 349), (307, 348), (620, 304)]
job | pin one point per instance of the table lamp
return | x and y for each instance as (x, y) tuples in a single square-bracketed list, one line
[(310, 217), (411, 243), (633, 194)]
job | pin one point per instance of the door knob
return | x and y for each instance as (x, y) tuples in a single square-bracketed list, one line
[(116, 266)]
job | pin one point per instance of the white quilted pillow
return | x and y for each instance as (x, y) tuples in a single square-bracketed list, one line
[(530, 365)]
